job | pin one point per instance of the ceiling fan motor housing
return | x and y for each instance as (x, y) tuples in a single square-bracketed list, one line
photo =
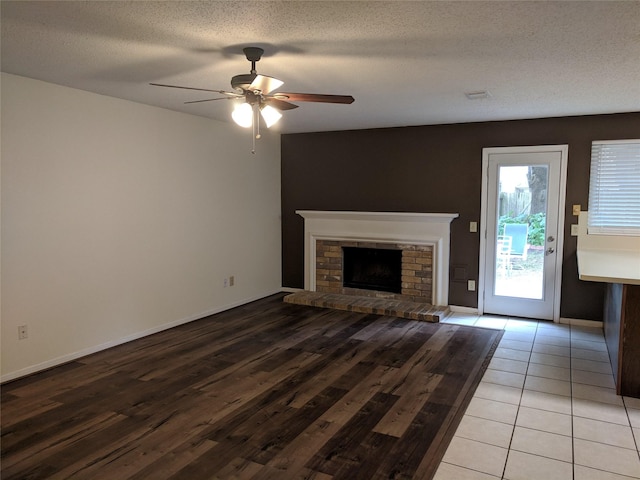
[(253, 54)]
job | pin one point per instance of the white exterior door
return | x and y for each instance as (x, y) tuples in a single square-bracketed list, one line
[(523, 198)]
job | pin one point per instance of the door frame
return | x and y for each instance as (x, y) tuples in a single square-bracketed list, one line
[(482, 264)]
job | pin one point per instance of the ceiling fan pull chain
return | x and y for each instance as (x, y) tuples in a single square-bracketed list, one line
[(256, 127), (256, 120), (253, 139)]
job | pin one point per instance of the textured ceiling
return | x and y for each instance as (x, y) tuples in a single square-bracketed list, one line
[(406, 63)]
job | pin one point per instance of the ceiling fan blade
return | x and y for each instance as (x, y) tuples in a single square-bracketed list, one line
[(265, 84), (315, 97), (222, 92), (280, 104), (210, 100)]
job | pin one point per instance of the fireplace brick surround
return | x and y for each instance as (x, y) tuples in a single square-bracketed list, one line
[(423, 239), (416, 265)]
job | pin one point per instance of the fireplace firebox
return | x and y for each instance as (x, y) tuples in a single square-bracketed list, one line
[(372, 269)]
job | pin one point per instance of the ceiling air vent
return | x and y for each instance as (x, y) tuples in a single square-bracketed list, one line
[(483, 94)]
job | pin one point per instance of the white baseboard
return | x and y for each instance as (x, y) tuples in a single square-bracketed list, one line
[(135, 336), (97, 348), (577, 322), (291, 289), (460, 309)]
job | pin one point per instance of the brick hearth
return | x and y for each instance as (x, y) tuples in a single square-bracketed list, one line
[(379, 306)]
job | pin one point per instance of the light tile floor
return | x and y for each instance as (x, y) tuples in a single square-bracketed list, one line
[(546, 408)]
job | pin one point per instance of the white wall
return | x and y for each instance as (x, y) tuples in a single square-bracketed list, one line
[(121, 219)]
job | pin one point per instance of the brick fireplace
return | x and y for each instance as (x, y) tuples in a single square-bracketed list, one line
[(423, 239), (415, 267)]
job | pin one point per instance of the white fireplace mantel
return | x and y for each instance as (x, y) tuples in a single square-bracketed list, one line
[(383, 227)]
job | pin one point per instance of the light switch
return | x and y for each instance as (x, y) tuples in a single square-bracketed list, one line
[(576, 210), (473, 227)]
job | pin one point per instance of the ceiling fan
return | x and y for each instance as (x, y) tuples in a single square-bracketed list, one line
[(255, 97)]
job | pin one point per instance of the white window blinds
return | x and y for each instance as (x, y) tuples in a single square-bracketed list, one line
[(614, 188)]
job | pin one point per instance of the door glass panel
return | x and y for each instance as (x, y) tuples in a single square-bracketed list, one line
[(520, 238)]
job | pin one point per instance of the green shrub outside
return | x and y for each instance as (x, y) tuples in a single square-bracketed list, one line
[(536, 224)]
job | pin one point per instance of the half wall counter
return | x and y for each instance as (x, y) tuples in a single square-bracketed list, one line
[(615, 260)]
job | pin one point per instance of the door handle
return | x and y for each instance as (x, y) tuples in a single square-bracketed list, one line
[(549, 251)]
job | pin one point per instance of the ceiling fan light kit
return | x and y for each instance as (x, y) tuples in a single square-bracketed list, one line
[(254, 92), (270, 115), (243, 115)]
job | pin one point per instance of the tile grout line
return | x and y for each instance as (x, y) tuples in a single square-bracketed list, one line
[(633, 433), (538, 332), (474, 324), (624, 403), (513, 431), (573, 443)]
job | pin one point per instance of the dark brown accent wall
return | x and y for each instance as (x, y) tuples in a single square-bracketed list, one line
[(437, 169)]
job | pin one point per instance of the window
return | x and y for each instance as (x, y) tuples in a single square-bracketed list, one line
[(614, 188)]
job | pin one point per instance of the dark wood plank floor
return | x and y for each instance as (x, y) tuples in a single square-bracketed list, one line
[(265, 391)]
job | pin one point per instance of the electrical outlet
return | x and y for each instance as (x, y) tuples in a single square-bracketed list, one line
[(574, 230), (232, 281), (22, 332), (473, 227), (471, 285), (576, 210)]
